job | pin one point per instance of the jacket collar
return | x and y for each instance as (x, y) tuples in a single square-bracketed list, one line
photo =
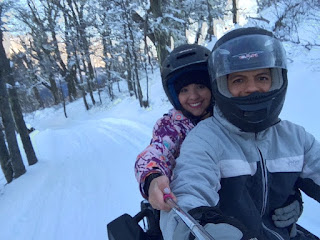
[(218, 115)]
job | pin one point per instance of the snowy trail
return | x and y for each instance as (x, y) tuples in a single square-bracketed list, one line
[(84, 179), (101, 195)]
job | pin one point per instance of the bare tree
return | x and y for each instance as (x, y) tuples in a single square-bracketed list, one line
[(7, 118), (289, 16), (40, 47), (24, 73), (132, 48), (171, 20), (6, 73), (72, 57), (107, 16), (75, 12), (62, 32)]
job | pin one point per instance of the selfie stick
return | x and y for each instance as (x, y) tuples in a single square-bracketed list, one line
[(196, 229)]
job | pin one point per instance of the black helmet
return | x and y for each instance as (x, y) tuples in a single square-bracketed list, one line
[(186, 64), (248, 49)]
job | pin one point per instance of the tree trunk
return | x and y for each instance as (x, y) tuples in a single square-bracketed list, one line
[(5, 159), (88, 69), (63, 101), (54, 89), (129, 76), (72, 91), (8, 122), (108, 64), (134, 58), (71, 76), (234, 11), (147, 60), (9, 126), (22, 128), (129, 79), (37, 95), (80, 85), (161, 37), (90, 73), (17, 113), (210, 31)]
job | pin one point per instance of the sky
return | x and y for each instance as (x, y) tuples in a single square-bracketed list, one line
[(85, 175)]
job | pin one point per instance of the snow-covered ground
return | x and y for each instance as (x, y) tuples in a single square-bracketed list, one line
[(84, 178)]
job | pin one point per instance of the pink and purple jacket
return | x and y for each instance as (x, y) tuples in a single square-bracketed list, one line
[(159, 157)]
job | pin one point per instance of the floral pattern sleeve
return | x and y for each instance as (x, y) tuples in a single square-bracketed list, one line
[(168, 135)]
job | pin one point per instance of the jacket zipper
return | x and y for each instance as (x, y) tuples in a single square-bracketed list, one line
[(265, 194), (264, 183)]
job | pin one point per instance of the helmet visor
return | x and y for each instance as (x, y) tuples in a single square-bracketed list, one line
[(247, 52)]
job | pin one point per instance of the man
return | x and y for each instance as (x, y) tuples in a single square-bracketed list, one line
[(238, 166)]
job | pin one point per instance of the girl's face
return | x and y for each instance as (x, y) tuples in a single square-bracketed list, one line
[(242, 84), (195, 98)]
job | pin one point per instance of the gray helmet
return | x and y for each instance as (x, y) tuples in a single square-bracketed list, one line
[(247, 49), (186, 64)]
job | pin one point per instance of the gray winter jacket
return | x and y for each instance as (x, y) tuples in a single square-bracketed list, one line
[(247, 175)]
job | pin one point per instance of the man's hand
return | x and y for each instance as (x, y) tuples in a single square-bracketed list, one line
[(287, 217), (158, 187), (284, 217), (220, 226)]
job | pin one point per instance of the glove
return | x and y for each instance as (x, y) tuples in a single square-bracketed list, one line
[(223, 231), (286, 217), (220, 226)]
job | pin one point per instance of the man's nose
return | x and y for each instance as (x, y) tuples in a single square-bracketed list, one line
[(251, 86)]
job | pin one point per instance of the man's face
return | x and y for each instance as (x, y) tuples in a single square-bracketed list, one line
[(241, 84)]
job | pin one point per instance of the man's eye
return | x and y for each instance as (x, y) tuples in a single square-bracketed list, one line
[(237, 81), (264, 78)]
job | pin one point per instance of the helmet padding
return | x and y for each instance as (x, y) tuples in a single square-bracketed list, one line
[(276, 75)]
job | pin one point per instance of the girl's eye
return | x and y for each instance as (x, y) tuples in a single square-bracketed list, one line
[(201, 86), (183, 90)]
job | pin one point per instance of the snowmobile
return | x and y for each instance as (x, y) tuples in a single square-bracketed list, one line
[(145, 225)]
